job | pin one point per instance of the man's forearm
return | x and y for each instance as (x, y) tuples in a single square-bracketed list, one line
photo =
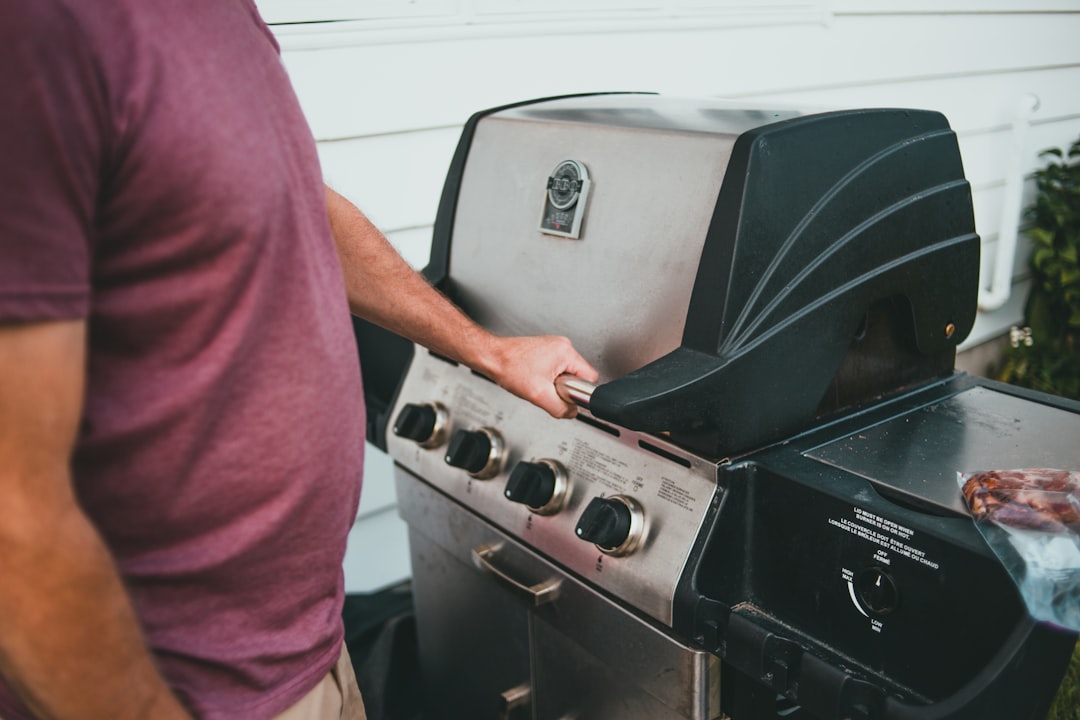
[(383, 288), (413, 309), (70, 644)]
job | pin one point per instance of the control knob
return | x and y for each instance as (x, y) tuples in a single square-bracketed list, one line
[(614, 524), (478, 452), (540, 485), (877, 590), (424, 424)]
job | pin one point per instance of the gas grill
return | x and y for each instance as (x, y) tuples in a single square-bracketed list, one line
[(755, 514)]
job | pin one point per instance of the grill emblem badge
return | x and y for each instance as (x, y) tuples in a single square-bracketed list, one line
[(564, 200)]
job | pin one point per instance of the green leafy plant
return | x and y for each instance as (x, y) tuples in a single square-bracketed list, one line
[(1045, 355), (1067, 703)]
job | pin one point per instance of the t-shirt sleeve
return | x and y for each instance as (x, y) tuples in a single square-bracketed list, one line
[(52, 139)]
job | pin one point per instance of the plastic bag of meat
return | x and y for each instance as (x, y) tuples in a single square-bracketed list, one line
[(1031, 519)]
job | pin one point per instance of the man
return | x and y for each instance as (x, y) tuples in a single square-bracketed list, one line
[(181, 423)]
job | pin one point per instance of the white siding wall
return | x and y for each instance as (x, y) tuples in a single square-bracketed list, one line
[(388, 84)]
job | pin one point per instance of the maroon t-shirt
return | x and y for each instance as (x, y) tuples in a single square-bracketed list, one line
[(158, 179)]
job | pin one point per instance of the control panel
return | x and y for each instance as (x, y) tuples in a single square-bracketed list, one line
[(620, 509)]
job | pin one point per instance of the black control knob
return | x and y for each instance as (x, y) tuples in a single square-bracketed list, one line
[(478, 452), (613, 524), (877, 590), (541, 485), (531, 483), (424, 424)]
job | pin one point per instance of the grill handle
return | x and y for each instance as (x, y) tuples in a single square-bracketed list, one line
[(536, 595), (574, 390)]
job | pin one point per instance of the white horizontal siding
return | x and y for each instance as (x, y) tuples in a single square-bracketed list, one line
[(449, 13), (930, 7), (366, 88), (294, 11), (387, 91), (396, 178)]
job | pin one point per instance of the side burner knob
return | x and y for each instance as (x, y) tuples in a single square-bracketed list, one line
[(614, 524), (478, 452), (424, 424), (877, 590), (540, 485)]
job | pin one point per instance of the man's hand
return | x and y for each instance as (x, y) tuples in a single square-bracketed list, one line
[(528, 366), (382, 288)]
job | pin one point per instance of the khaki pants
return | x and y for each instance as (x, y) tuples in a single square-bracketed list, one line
[(336, 697)]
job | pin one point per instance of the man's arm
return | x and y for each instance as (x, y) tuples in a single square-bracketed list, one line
[(385, 290), (70, 644)]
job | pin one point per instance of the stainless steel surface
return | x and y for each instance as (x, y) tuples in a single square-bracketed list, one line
[(650, 205), (673, 492), (918, 455), (473, 635), (591, 657), (574, 390), (636, 676)]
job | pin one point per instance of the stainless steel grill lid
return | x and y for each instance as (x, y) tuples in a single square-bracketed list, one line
[(725, 260)]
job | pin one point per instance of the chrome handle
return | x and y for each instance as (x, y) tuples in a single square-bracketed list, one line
[(574, 390), (539, 594)]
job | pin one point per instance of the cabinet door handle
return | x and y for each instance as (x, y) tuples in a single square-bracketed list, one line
[(516, 698), (536, 595)]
